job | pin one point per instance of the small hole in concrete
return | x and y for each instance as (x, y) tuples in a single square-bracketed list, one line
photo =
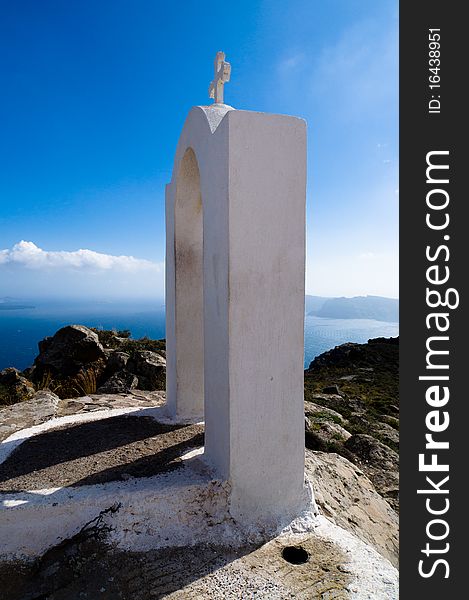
[(296, 555)]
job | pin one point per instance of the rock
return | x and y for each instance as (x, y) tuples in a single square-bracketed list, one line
[(65, 353), (316, 410), (324, 427), (386, 483), (150, 369), (369, 449), (379, 462), (390, 420), (347, 497), (44, 397), (360, 421), (11, 376), (40, 408), (348, 377), (344, 406), (28, 373), (14, 387), (387, 434), (331, 389), (117, 361), (119, 383), (375, 353), (103, 402), (324, 435)]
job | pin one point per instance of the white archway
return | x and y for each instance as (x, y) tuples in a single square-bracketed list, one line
[(188, 255), (235, 268)]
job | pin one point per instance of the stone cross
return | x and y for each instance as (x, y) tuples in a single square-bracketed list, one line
[(222, 76)]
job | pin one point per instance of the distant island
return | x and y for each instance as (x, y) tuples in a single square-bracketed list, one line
[(8, 303), (359, 307), (377, 308)]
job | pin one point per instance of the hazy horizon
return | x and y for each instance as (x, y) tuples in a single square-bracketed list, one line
[(29, 271), (150, 300)]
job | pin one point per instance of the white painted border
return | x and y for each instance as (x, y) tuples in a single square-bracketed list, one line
[(16, 439)]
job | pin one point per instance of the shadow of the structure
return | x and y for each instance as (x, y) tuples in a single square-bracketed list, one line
[(98, 452), (85, 567)]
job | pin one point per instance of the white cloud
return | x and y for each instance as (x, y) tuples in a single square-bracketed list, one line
[(28, 255), (27, 271)]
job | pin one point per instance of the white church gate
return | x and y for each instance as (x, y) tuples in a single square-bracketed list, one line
[(235, 271)]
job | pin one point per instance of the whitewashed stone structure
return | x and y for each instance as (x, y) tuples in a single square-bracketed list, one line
[(235, 271)]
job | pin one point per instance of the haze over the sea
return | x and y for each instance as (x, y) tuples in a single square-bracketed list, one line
[(22, 328)]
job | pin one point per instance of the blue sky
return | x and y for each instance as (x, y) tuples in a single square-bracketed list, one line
[(94, 96)]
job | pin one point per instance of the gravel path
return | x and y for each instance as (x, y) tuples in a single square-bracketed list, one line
[(116, 448)]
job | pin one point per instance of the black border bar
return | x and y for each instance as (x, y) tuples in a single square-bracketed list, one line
[(434, 259)]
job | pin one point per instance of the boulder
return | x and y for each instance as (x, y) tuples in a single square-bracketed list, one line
[(150, 368), (343, 405), (316, 410), (324, 435), (40, 408), (379, 462), (119, 383), (370, 450), (387, 434), (390, 420), (331, 389), (65, 353), (117, 361), (14, 387), (348, 498)]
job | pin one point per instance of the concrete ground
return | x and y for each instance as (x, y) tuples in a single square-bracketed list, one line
[(87, 568), (79, 456)]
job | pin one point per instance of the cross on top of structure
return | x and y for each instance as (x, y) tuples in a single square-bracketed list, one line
[(222, 76)]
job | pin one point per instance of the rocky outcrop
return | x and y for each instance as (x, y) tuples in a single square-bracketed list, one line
[(131, 364), (376, 352), (150, 368), (117, 361), (45, 405), (119, 383), (347, 497), (352, 408), (68, 351), (38, 409), (77, 361), (371, 450), (379, 462), (323, 427), (14, 387)]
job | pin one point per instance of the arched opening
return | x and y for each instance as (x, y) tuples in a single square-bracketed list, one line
[(189, 305)]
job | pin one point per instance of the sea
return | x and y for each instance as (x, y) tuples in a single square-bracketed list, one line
[(22, 328)]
